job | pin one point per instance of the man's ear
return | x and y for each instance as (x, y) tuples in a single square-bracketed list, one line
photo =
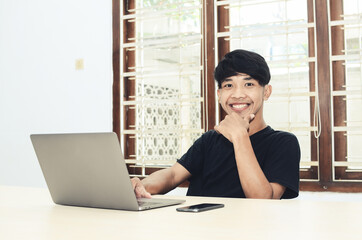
[(267, 91), (218, 95)]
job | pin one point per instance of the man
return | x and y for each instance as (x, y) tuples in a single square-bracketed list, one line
[(242, 156)]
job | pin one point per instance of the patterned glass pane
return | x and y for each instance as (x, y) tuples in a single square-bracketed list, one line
[(167, 75)]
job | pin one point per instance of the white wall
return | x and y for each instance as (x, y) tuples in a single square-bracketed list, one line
[(40, 90)]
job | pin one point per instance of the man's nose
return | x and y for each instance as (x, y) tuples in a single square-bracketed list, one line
[(239, 93)]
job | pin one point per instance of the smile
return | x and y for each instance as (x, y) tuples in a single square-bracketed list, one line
[(239, 106)]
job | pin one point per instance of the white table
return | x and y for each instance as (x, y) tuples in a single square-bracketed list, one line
[(29, 213)]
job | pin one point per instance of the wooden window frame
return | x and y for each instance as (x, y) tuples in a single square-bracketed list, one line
[(325, 182)]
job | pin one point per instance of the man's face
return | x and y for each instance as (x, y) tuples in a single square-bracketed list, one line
[(243, 94)]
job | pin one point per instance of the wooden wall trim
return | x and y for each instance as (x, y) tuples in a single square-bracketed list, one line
[(223, 45), (116, 107), (338, 80), (129, 86), (209, 63), (323, 68), (312, 172), (351, 187)]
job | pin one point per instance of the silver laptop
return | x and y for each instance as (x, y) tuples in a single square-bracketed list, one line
[(88, 170)]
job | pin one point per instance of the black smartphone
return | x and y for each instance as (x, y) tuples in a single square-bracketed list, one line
[(200, 207)]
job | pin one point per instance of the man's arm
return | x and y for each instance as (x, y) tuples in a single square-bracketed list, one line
[(161, 181), (252, 178)]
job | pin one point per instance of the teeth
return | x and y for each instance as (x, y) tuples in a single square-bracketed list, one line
[(239, 106)]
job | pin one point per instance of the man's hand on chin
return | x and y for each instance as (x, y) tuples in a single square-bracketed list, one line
[(233, 125)]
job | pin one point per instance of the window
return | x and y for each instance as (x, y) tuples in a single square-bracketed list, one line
[(168, 53), (163, 81), (346, 88), (285, 37)]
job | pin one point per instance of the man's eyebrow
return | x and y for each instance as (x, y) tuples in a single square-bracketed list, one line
[(246, 79), (227, 80)]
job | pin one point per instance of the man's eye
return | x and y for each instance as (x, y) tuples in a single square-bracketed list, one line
[(249, 84), (228, 85)]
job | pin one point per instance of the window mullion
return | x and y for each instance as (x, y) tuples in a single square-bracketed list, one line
[(324, 86), (208, 26)]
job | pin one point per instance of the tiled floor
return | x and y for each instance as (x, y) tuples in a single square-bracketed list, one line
[(315, 196)]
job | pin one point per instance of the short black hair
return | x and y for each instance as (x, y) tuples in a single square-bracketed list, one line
[(242, 61)]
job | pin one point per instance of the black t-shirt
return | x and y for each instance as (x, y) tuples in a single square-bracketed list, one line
[(211, 162)]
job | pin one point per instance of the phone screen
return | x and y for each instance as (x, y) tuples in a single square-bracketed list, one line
[(200, 207)]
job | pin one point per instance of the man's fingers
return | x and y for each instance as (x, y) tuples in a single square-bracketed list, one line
[(251, 117), (135, 182), (147, 195), (142, 193), (139, 189)]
